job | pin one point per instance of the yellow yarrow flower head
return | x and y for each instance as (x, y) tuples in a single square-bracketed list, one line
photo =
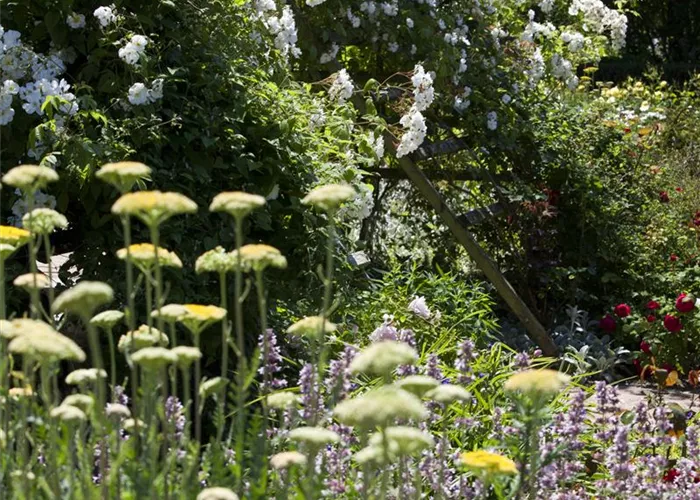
[(83, 376), (217, 494), (46, 346), (198, 317), (84, 298), (20, 392), (14, 236), (488, 463), (537, 383), (312, 327), (68, 413), (154, 358), (236, 203), (287, 459), (211, 386), (29, 178), (153, 207), (141, 338), (217, 260), (44, 221), (259, 257), (403, 440), (381, 358), (124, 174), (143, 256), (107, 319), (170, 312), (186, 355), (32, 281), (82, 401), (6, 251), (16, 327), (329, 197), (380, 407), (417, 384)]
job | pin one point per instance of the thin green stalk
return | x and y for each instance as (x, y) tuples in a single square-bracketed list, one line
[(51, 461), (112, 360), (4, 358), (224, 360), (385, 472), (262, 308), (3, 309), (34, 293), (173, 343), (98, 362), (242, 362), (166, 433), (52, 292), (131, 310), (149, 298), (197, 382), (155, 240)]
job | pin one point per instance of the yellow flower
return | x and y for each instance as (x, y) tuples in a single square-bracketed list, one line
[(153, 207), (199, 316), (10, 235), (143, 255), (311, 326), (20, 392), (488, 463), (29, 178), (537, 382), (124, 174), (31, 281), (329, 197), (236, 203), (258, 257)]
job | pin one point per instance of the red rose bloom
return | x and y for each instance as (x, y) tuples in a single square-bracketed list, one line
[(673, 257), (607, 324), (685, 303), (622, 310), (653, 305), (672, 324), (651, 318), (679, 189), (671, 475), (663, 196), (637, 366), (645, 347)]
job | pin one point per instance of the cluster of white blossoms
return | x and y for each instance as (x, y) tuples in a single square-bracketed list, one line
[(342, 87), (599, 18), (133, 50), (413, 121), (462, 101), (314, 3), (574, 40), (492, 120), (563, 70), (140, 94), (40, 74), (329, 56), (535, 31), (105, 15), (285, 30), (20, 208)]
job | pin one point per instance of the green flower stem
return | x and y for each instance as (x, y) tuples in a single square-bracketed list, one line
[(224, 360), (149, 298), (155, 240), (241, 361), (197, 382), (166, 433), (27, 368), (34, 293), (3, 309), (262, 308), (112, 360), (187, 390), (4, 358), (173, 343), (131, 309), (52, 292), (98, 362), (385, 471), (53, 446)]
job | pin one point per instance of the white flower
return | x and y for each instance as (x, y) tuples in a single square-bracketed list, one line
[(419, 307), (423, 91), (75, 21), (156, 90), (132, 51), (314, 3), (342, 87), (393, 47), (492, 120), (105, 15), (506, 99), (409, 23), (329, 56), (138, 94), (414, 136), (285, 31)]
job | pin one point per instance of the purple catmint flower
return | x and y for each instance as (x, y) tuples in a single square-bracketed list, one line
[(463, 363), (310, 393), (432, 368), (272, 365), (409, 338), (337, 461), (619, 454), (522, 360), (120, 396), (338, 382), (175, 415)]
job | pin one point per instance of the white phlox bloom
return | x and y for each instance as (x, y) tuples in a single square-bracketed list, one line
[(342, 87)]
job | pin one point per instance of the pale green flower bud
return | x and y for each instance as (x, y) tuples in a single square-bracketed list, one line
[(329, 197), (312, 327), (44, 221), (287, 459), (29, 178), (236, 203), (314, 437), (154, 358), (85, 376), (124, 174), (107, 319), (82, 401), (68, 413), (449, 393), (282, 400), (417, 384), (381, 358), (84, 298), (403, 440), (32, 281), (217, 260), (380, 407), (211, 386), (217, 494)]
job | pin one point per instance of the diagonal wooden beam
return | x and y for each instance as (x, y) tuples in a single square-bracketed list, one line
[(535, 330)]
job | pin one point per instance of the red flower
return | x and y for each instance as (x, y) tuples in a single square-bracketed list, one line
[(663, 197), (637, 366), (674, 257), (651, 318), (672, 324), (671, 475), (645, 347), (622, 310), (679, 189), (652, 304), (607, 324), (685, 303)]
